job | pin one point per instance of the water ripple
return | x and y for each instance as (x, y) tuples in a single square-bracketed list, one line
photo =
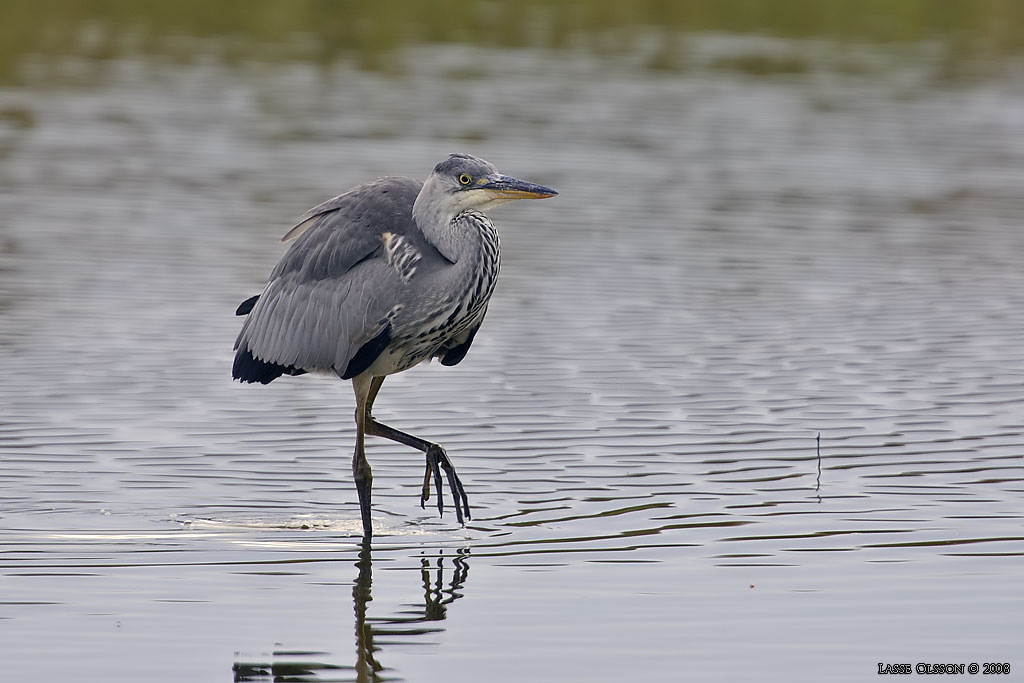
[(645, 399)]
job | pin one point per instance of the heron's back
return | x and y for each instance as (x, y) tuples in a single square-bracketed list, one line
[(331, 290)]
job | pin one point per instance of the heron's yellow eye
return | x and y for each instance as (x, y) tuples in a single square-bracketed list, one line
[(465, 179)]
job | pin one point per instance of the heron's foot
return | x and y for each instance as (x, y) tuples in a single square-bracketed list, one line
[(438, 460)]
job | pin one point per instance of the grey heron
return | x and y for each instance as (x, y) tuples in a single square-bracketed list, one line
[(387, 275)]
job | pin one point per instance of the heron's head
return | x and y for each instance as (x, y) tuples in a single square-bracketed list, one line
[(463, 181)]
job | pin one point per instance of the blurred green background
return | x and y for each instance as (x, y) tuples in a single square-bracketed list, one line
[(973, 35)]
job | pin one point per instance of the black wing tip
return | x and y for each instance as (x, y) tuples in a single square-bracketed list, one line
[(454, 355), (248, 368), (246, 306), (368, 353)]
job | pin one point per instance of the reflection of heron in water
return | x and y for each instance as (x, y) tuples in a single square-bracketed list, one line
[(372, 633), (436, 598)]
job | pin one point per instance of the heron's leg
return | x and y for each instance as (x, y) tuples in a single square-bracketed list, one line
[(360, 466), (375, 385), (437, 458)]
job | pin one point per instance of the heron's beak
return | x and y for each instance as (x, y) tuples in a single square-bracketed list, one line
[(507, 187)]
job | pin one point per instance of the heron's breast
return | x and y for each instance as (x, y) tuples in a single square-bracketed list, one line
[(424, 331)]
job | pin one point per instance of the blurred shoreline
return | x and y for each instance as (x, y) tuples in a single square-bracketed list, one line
[(972, 37)]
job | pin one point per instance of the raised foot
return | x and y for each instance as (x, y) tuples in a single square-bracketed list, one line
[(437, 460)]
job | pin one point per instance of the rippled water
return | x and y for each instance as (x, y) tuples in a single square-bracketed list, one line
[(735, 266)]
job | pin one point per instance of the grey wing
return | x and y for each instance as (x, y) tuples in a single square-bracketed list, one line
[(332, 291), (339, 203)]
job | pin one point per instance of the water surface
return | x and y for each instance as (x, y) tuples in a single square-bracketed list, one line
[(738, 263)]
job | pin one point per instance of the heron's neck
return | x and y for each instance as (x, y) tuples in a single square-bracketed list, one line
[(435, 221)]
